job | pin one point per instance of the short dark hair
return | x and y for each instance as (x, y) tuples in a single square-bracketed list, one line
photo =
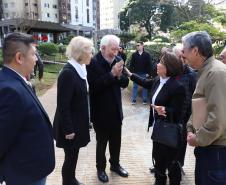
[(173, 63), (13, 43)]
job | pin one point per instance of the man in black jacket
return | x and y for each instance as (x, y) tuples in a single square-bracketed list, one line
[(141, 65), (106, 79)]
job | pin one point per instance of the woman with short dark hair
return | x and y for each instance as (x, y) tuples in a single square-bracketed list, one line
[(167, 98)]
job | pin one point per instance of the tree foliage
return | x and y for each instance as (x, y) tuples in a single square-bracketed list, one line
[(145, 13), (191, 26)]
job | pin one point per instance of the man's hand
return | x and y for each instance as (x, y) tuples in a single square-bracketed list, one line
[(191, 139), (117, 69), (70, 136)]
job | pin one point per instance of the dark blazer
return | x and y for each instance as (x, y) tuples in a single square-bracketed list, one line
[(26, 143), (72, 109), (172, 96), (105, 93)]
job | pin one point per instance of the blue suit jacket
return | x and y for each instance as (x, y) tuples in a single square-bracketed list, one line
[(26, 143)]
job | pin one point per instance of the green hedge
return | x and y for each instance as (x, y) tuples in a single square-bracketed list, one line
[(48, 49)]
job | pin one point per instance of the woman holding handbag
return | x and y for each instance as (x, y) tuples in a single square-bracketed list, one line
[(167, 98)]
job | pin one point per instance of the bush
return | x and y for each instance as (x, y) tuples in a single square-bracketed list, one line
[(48, 49), (217, 49), (66, 40), (155, 50)]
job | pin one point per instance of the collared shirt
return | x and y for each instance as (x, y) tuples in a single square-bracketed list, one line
[(26, 81), (81, 70), (162, 82)]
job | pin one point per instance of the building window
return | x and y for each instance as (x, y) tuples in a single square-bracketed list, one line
[(14, 14), (47, 15), (76, 14), (68, 7), (56, 15), (87, 11), (35, 4), (46, 5), (26, 4), (27, 14), (36, 14), (6, 15), (6, 5), (55, 6), (12, 4), (87, 2), (76, 1)]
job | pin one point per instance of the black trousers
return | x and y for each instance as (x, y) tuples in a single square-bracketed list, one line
[(69, 166), (113, 137), (164, 157), (183, 147)]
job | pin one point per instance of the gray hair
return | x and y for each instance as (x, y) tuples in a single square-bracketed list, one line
[(108, 39), (177, 50), (201, 40), (79, 46)]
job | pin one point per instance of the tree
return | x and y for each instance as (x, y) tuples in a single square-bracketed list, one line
[(145, 13), (125, 37), (191, 26)]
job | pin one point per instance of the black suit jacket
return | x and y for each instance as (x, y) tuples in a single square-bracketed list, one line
[(172, 96), (26, 143), (105, 93), (72, 109)]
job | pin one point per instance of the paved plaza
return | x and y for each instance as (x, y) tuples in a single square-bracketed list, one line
[(135, 151)]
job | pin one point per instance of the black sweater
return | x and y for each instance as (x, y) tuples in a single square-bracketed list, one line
[(141, 63)]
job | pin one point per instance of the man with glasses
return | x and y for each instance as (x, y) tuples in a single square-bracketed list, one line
[(141, 65), (209, 139)]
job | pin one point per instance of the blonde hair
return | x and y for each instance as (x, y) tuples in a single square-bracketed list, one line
[(79, 46)]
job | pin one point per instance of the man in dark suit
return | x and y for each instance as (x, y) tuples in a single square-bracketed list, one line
[(27, 150), (105, 81)]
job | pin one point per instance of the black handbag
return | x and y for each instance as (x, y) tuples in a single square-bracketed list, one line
[(167, 133)]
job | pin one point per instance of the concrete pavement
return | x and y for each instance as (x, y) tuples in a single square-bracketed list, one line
[(135, 151)]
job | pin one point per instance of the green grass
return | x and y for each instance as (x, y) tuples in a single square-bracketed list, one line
[(57, 58), (51, 72)]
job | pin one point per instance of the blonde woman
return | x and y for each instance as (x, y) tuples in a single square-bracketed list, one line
[(71, 122)]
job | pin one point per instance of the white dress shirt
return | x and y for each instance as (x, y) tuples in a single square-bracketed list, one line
[(162, 82)]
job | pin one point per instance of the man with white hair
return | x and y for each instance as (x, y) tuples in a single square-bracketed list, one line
[(106, 78)]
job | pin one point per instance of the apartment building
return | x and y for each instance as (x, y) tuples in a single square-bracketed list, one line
[(37, 17), (109, 10), (77, 15)]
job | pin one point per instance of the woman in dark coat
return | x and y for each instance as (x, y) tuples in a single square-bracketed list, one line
[(167, 98), (71, 122)]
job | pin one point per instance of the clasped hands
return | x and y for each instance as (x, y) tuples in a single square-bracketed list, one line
[(117, 69)]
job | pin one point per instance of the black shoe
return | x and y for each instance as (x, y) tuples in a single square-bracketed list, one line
[(120, 171), (76, 182), (102, 176)]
